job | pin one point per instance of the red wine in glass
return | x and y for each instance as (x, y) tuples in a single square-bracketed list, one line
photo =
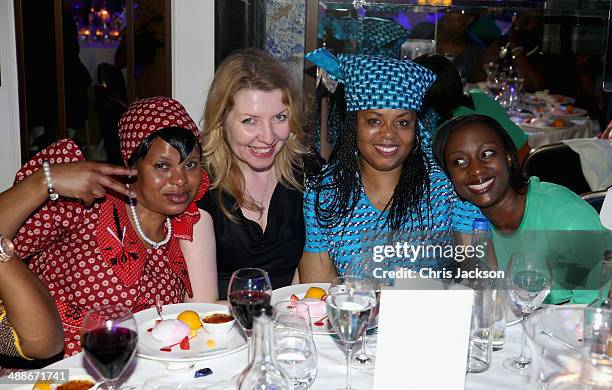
[(109, 338), (110, 350), (249, 291), (245, 304)]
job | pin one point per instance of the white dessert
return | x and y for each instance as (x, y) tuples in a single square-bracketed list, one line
[(316, 307), (170, 331)]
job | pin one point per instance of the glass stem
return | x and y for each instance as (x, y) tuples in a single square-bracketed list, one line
[(349, 347), (363, 345), (249, 336), (523, 360)]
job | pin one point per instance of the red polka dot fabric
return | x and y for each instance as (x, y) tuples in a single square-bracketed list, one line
[(92, 256), (146, 116)]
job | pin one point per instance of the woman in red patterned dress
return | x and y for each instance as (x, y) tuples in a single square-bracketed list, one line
[(94, 241)]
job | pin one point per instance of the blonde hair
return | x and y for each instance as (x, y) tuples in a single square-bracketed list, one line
[(249, 69)]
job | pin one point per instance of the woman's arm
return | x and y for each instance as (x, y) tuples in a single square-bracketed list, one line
[(84, 180), (316, 267), (30, 311), (201, 257)]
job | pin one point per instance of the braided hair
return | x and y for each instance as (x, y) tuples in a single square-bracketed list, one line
[(337, 190)]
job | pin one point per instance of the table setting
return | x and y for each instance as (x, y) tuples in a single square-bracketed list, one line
[(546, 118), (363, 341)]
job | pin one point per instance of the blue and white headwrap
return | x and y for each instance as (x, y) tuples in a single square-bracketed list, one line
[(376, 82)]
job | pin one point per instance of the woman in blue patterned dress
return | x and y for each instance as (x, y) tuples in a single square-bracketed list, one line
[(380, 188)]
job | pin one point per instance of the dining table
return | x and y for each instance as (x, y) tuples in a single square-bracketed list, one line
[(331, 368)]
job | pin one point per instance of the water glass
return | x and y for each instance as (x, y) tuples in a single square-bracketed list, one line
[(597, 334), (294, 347), (481, 330), (498, 338)]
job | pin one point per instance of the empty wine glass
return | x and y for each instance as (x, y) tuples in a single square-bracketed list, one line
[(248, 292), (350, 308), (109, 338), (529, 280)]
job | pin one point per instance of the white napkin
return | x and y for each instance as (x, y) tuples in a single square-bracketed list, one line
[(605, 215), (595, 160)]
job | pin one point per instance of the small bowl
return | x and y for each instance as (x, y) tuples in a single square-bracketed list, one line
[(217, 328)]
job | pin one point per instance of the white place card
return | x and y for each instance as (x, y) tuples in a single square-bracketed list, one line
[(423, 338)]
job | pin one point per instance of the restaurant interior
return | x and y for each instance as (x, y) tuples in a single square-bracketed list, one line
[(75, 66)]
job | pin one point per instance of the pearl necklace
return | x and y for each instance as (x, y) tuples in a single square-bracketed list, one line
[(141, 233)]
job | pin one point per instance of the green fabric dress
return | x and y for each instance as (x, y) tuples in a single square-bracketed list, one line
[(562, 225), (485, 105)]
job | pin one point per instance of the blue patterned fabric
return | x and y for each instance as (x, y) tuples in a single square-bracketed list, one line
[(427, 124), (375, 82), (351, 242)]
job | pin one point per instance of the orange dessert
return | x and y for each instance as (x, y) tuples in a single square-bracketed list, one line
[(569, 109)]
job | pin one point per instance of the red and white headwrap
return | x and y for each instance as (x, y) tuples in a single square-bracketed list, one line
[(146, 116)]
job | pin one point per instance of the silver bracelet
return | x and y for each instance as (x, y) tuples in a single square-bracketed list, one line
[(49, 180)]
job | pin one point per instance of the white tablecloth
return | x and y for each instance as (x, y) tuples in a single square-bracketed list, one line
[(582, 128), (331, 367)]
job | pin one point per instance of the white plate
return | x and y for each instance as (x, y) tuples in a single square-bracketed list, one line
[(556, 112), (149, 348), (541, 126), (74, 374), (284, 294)]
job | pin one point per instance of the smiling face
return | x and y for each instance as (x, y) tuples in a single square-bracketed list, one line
[(166, 185), (477, 163), (257, 128), (385, 138)]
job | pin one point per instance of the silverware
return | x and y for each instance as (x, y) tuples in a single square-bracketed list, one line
[(159, 306)]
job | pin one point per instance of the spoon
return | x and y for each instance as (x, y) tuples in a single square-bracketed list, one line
[(159, 306)]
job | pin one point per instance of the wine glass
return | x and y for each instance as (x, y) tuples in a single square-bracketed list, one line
[(109, 338), (349, 306), (529, 280), (248, 292)]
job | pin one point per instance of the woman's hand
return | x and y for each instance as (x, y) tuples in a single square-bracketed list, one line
[(89, 180)]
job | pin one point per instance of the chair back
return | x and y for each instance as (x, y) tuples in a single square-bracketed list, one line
[(559, 164), (595, 199)]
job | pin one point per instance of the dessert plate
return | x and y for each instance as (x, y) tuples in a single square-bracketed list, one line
[(284, 294), (318, 327), (199, 349), (542, 124)]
